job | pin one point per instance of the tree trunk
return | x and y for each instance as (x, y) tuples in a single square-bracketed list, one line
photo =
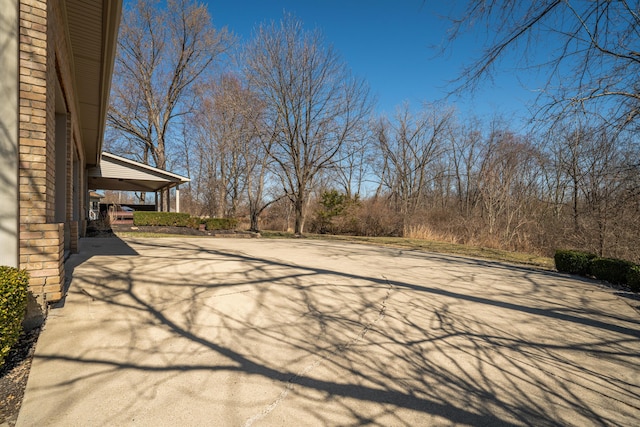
[(254, 221), (299, 207)]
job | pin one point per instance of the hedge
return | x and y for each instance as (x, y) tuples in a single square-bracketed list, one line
[(633, 278), (13, 303), (165, 219), (616, 271), (174, 219), (612, 270), (573, 262), (221, 223)]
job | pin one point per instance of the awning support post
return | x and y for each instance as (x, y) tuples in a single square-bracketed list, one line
[(177, 198)]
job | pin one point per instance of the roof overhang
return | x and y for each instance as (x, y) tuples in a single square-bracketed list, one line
[(118, 173), (93, 33)]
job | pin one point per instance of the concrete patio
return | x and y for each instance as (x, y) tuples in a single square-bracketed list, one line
[(225, 332)]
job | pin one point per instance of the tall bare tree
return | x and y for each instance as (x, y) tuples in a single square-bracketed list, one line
[(312, 102), (507, 182), (225, 120), (463, 157), (354, 161), (599, 194), (231, 141), (591, 51), (261, 193), (410, 146), (163, 49)]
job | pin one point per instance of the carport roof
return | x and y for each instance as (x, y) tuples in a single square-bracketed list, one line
[(92, 34), (117, 173)]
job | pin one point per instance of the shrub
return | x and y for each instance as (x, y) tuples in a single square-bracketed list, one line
[(194, 222), (573, 262), (221, 223), (13, 303), (633, 278), (612, 270), (165, 219), (332, 205)]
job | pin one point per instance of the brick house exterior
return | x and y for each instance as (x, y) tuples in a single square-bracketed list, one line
[(56, 60)]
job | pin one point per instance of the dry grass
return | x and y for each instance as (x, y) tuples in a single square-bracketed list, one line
[(424, 232)]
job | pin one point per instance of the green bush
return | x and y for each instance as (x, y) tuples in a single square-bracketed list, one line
[(633, 278), (612, 270), (194, 222), (174, 219), (221, 223), (13, 303), (573, 262), (165, 219)]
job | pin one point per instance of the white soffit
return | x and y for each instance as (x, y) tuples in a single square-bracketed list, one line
[(118, 173)]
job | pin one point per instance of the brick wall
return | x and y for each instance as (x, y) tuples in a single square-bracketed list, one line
[(42, 253), (69, 185), (74, 237), (44, 73), (41, 239), (75, 166)]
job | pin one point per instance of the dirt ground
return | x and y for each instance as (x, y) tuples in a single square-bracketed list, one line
[(14, 375)]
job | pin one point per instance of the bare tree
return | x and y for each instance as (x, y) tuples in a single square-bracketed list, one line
[(313, 104), (204, 167), (225, 123), (162, 52), (593, 166), (259, 168), (233, 142), (353, 163), (410, 147), (591, 51), (463, 156), (507, 183)]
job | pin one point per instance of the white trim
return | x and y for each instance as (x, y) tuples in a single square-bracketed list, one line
[(146, 167), (178, 198), (9, 135)]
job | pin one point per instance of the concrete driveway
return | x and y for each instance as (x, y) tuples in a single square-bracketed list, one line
[(224, 332)]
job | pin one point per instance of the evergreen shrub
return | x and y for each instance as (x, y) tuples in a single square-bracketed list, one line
[(573, 262), (612, 270), (633, 278), (164, 219), (14, 285), (221, 223)]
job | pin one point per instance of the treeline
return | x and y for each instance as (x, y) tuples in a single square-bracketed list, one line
[(427, 174), (290, 140)]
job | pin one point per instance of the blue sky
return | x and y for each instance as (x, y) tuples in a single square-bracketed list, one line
[(394, 45)]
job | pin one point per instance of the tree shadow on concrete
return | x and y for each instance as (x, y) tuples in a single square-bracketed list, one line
[(332, 346)]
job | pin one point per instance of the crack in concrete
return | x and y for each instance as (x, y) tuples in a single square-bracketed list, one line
[(292, 381)]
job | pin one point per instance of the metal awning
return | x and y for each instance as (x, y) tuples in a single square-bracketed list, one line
[(117, 173)]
